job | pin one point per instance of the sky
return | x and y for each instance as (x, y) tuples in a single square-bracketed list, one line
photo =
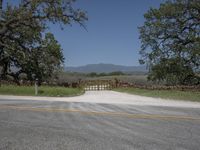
[(112, 34)]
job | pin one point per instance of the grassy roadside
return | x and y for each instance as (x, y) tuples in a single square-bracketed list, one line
[(167, 94), (43, 91)]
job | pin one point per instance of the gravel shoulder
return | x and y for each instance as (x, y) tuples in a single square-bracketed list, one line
[(111, 97)]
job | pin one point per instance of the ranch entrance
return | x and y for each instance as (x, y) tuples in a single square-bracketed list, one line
[(98, 85)]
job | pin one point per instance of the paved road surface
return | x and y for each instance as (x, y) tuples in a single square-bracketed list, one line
[(98, 121)]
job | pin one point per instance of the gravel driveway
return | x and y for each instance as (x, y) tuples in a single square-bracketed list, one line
[(112, 97)]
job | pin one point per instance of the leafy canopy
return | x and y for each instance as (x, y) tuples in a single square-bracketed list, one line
[(25, 43), (170, 40)]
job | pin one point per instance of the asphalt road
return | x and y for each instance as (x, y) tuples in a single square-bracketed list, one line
[(48, 125)]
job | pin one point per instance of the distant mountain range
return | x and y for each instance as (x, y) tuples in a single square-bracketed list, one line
[(106, 68)]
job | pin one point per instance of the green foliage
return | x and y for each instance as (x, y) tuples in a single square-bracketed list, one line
[(93, 74), (171, 42), (173, 73), (44, 61), (25, 44), (116, 73)]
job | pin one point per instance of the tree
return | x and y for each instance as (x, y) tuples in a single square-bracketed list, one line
[(93, 74), (22, 30), (170, 40), (44, 60)]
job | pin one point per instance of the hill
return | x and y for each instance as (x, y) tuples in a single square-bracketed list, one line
[(106, 68)]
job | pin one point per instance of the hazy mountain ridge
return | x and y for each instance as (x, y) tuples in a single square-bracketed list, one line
[(105, 68)]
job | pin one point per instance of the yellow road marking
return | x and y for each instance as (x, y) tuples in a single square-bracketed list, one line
[(120, 114)]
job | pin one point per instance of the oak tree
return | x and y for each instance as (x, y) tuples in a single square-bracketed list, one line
[(23, 44), (170, 40)]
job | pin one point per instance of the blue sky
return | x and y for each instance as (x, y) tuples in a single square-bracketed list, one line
[(112, 35)]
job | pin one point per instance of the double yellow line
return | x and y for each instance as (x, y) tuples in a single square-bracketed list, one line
[(117, 114)]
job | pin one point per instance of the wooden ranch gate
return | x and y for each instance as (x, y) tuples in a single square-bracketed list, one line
[(98, 85)]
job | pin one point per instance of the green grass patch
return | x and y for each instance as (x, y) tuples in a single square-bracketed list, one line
[(166, 94), (42, 91)]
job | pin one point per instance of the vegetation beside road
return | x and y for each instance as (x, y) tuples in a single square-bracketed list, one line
[(170, 42), (42, 91), (167, 94)]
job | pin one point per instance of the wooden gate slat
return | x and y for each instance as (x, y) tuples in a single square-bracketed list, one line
[(97, 85)]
